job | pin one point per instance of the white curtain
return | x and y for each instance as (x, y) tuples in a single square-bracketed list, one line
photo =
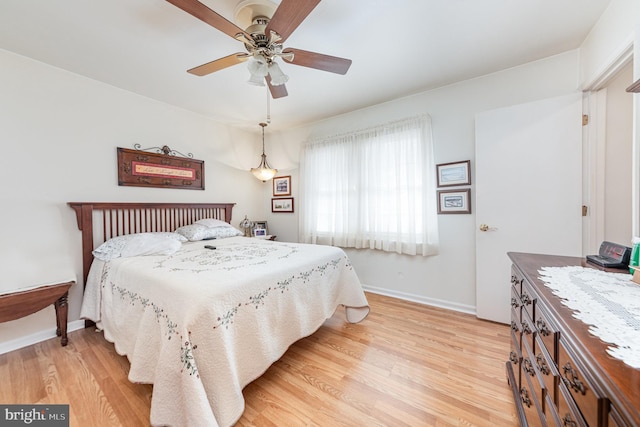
[(373, 188)]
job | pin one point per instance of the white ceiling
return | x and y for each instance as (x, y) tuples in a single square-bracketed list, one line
[(398, 48)]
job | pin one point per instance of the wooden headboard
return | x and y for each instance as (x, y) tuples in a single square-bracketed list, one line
[(104, 220)]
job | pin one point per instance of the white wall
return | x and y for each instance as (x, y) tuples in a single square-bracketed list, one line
[(615, 32), (59, 134), (447, 279)]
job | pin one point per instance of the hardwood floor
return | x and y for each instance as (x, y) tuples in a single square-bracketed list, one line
[(406, 364)]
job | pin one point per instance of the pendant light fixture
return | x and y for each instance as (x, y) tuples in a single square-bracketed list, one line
[(264, 172)]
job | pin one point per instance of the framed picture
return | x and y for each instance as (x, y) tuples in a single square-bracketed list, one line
[(455, 173), (282, 186), (282, 205), (454, 201), (260, 225), (141, 168)]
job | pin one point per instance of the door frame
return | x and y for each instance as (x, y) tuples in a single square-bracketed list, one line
[(594, 143)]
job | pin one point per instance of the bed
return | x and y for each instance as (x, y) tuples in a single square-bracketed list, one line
[(201, 323)]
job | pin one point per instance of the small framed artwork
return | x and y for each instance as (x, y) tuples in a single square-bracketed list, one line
[(454, 201), (282, 205), (454, 173), (260, 225), (282, 186), (259, 232)]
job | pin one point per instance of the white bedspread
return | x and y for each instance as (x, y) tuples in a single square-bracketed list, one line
[(201, 324)]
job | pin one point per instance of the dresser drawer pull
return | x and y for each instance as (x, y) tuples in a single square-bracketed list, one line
[(570, 379), (514, 279), (526, 299), (514, 302), (542, 364), (526, 329), (513, 357), (568, 421), (528, 366), (524, 396), (542, 327), (514, 326)]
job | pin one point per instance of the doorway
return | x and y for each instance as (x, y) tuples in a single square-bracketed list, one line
[(608, 162)]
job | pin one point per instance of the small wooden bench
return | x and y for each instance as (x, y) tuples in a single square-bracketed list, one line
[(23, 303)]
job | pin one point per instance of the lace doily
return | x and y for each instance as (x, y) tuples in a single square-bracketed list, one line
[(608, 302)]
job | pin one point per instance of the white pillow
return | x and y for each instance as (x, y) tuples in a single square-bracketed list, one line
[(222, 232), (212, 222), (195, 232), (161, 243)]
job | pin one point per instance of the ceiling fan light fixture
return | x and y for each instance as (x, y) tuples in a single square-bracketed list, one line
[(258, 66), (277, 76), (256, 80), (264, 172)]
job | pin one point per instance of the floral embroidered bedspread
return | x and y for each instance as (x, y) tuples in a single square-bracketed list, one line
[(201, 324)]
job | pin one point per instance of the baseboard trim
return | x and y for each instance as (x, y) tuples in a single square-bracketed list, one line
[(463, 308), (18, 343)]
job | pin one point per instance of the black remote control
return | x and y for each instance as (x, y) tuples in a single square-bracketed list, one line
[(209, 247)]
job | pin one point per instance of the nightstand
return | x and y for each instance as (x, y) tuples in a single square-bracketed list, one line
[(267, 237), (23, 303)]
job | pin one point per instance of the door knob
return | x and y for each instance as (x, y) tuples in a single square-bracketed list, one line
[(485, 227)]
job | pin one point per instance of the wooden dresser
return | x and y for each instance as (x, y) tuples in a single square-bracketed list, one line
[(560, 374)]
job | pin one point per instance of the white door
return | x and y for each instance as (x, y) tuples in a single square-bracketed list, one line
[(528, 191)]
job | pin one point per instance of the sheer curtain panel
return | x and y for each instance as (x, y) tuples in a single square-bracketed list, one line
[(374, 188)]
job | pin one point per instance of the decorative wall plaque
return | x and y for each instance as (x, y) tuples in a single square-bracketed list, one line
[(165, 168)]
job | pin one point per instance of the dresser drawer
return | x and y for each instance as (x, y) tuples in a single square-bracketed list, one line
[(516, 303), (578, 386), (551, 413), (516, 279), (567, 411), (547, 331), (530, 370), (547, 371), (615, 420), (516, 323), (530, 403), (528, 330), (515, 355), (528, 298)]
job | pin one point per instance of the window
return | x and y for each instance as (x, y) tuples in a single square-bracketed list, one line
[(373, 189)]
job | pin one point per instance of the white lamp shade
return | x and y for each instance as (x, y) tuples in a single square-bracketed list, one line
[(264, 174), (277, 76), (256, 80), (258, 66)]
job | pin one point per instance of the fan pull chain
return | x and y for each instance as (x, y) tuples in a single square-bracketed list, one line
[(268, 106)]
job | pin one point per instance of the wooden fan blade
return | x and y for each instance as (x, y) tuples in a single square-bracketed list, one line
[(288, 16), (279, 91), (219, 64), (202, 12), (333, 64)]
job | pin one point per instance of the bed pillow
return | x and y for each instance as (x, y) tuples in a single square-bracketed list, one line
[(212, 222), (138, 244), (195, 232)]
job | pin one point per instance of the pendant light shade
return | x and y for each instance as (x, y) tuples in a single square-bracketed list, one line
[(264, 172)]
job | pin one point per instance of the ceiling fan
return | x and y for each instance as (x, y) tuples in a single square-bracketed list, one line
[(263, 40)]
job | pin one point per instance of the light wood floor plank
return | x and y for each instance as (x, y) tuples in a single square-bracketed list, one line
[(405, 365)]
